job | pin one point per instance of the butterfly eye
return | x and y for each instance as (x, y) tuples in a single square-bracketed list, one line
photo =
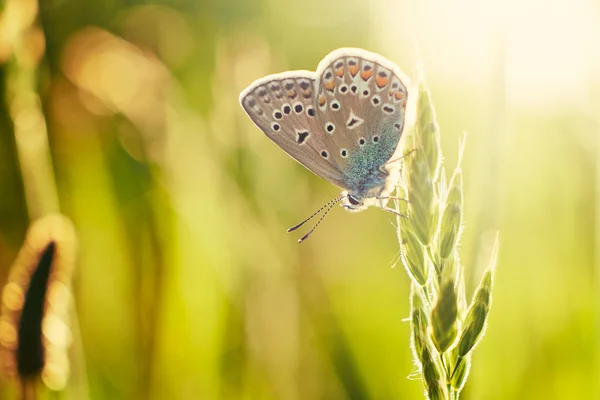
[(353, 200)]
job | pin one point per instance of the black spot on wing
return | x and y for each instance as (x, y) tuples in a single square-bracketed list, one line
[(302, 136)]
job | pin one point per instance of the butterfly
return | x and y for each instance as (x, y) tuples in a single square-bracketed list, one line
[(343, 122)]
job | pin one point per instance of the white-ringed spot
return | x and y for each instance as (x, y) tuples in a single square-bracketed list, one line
[(330, 127)]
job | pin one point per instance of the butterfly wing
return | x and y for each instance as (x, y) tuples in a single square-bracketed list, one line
[(283, 107), (361, 102)]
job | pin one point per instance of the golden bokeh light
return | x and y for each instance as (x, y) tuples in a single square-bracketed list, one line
[(125, 117)]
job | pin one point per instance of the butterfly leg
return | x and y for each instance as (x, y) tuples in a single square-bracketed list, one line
[(393, 198), (400, 158), (393, 211)]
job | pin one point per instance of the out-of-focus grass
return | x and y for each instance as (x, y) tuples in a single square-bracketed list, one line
[(187, 285)]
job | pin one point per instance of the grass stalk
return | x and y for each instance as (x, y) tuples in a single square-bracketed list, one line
[(23, 35), (445, 329)]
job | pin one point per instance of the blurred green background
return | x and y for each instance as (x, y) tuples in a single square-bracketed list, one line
[(188, 287)]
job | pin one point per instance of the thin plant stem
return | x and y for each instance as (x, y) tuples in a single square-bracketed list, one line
[(32, 144), (444, 329)]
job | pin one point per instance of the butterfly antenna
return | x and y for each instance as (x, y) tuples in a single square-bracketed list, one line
[(293, 228), (400, 158), (334, 202)]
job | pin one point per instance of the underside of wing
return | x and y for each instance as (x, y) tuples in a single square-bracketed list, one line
[(361, 98), (283, 107)]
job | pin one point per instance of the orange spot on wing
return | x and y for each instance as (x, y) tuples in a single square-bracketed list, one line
[(381, 81), (321, 100), (353, 70), (399, 95), (340, 72), (366, 74), (329, 85)]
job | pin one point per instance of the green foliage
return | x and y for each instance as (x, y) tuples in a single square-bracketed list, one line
[(434, 247), (186, 285)]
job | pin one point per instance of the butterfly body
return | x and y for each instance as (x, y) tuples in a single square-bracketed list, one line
[(342, 122)]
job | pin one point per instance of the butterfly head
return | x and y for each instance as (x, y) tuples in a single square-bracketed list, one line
[(354, 202)]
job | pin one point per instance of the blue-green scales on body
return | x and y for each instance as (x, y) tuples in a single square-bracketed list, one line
[(364, 171)]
